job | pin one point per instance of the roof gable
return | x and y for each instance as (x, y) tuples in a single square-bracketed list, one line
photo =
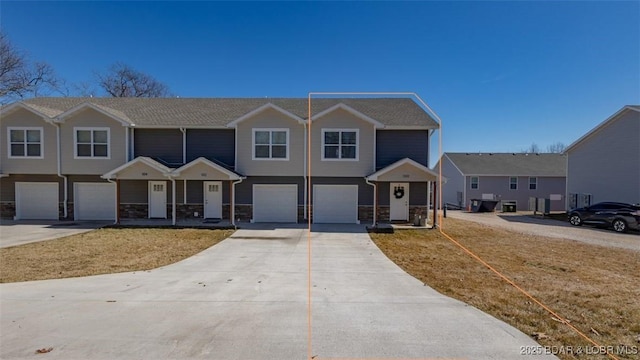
[(611, 119), (37, 110), (208, 163), (261, 109), (509, 164), (348, 109), (409, 166), (140, 160), (112, 113)]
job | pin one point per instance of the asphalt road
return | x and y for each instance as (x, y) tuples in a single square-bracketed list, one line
[(247, 298), (535, 225)]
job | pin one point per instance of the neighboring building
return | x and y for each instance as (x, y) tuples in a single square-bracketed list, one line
[(510, 178), (243, 158), (604, 164)]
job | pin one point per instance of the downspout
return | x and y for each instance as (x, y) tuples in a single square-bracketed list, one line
[(375, 201), (233, 201), (184, 161), (65, 180), (304, 173), (184, 145)]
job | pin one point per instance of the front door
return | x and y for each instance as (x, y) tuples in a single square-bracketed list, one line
[(213, 199), (399, 201), (158, 199)]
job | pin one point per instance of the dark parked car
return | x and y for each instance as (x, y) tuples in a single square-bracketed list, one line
[(620, 216)]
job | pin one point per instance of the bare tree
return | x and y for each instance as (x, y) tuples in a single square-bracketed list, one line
[(20, 77), (533, 149), (556, 148), (121, 80)]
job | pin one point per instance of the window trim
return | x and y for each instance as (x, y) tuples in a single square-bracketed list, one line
[(270, 130), (510, 183), (25, 128), (91, 128), (477, 182), (535, 183), (339, 130)]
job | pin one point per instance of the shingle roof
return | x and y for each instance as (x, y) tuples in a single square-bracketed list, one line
[(218, 112), (510, 164)]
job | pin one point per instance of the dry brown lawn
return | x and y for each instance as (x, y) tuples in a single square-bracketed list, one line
[(596, 288), (104, 251)]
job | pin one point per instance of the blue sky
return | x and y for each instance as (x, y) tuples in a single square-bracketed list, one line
[(501, 75)]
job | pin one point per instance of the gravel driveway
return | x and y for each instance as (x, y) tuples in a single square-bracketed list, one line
[(529, 224)]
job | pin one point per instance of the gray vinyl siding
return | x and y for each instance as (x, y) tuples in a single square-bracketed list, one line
[(341, 119), (454, 184), (270, 119), (137, 191), (46, 165), (213, 144), (161, 144), (8, 185), (394, 145), (417, 193), (195, 192), (607, 164), (98, 166), (365, 191), (244, 190), (499, 187)]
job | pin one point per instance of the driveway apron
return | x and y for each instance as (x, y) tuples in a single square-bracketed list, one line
[(246, 298)]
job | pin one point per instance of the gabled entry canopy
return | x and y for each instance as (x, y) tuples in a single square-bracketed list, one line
[(204, 169), (405, 170), (140, 168)]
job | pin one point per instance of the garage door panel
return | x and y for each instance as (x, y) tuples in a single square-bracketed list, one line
[(37, 201), (335, 204), (275, 203), (94, 201)]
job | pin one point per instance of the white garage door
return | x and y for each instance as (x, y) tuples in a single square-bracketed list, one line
[(335, 204), (94, 201), (275, 203), (36, 201)]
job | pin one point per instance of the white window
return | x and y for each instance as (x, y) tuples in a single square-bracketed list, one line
[(25, 142), (91, 143), (533, 183), (513, 183), (475, 183), (270, 144), (340, 144)]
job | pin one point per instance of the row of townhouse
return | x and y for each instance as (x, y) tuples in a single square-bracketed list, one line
[(219, 158), (602, 165)]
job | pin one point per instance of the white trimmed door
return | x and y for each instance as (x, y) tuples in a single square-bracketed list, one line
[(399, 201), (213, 199), (94, 201), (335, 204), (158, 199), (275, 203), (37, 200)]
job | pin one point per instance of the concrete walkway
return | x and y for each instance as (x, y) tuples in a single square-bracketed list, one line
[(246, 298)]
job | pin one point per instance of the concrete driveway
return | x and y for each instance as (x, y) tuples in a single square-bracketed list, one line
[(13, 233), (246, 298)]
